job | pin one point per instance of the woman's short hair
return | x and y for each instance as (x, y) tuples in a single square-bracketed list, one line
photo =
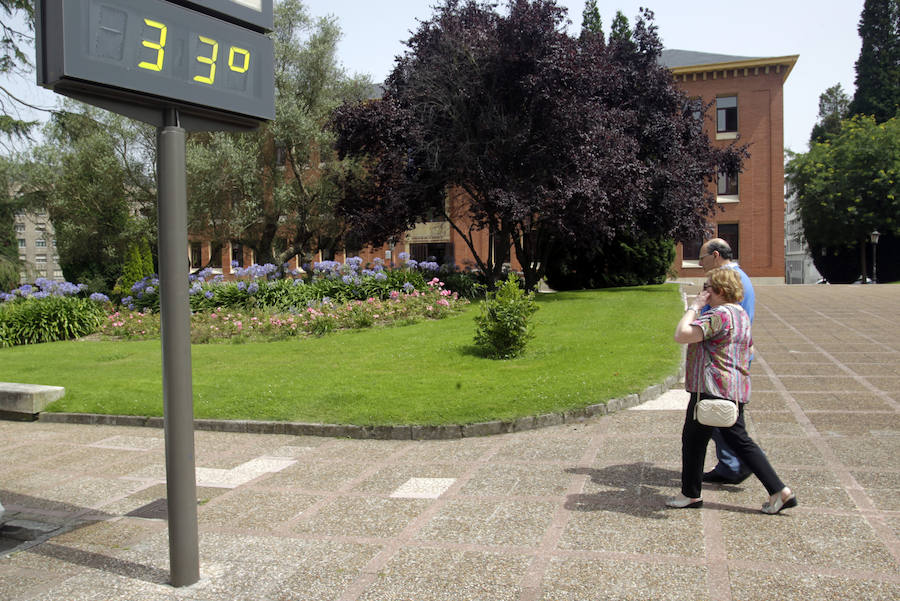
[(727, 283)]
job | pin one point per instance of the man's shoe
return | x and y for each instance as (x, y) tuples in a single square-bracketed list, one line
[(714, 477)]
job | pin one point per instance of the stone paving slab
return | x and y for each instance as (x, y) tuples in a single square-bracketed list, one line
[(569, 512)]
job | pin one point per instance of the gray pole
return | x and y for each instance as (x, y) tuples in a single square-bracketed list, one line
[(178, 403)]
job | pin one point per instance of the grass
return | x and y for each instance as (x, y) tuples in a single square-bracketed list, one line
[(591, 346)]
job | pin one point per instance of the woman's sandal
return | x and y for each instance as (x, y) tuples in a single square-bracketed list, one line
[(776, 502), (683, 502)]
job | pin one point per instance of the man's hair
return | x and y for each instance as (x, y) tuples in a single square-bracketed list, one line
[(720, 246), (727, 283)]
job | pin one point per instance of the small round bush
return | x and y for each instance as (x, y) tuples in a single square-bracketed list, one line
[(503, 326)]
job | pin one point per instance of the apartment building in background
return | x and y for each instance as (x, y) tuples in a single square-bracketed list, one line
[(37, 247), (747, 108)]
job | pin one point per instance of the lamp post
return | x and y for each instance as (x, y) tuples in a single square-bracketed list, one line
[(873, 238)]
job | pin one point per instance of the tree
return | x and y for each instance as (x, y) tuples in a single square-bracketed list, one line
[(848, 186), (551, 139), (95, 176), (620, 30), (14, 63), (834, 107), (878, 66), (9, 251), (274, 190), (591, 23)]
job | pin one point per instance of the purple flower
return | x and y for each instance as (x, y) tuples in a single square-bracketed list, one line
[(242, 286), (380, 276), (99, 297), (403, 256), (408, 287), (208, 294), (253, 288)]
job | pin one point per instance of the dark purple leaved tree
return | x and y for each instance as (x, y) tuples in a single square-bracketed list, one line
[(555, 139)]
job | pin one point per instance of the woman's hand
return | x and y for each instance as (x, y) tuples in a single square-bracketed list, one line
[(700, 301)]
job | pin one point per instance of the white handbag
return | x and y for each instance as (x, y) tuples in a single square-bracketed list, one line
[(720, 413)]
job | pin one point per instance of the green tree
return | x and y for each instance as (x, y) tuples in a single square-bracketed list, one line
[(834, 107), (878, 66), (274, 190), (9, 251), (95, 177), (620, 29), (591, 23), (14, 63), (848, 186)]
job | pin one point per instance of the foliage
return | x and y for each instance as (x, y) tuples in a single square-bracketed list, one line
[(548, 139), (243, 323), (626, 261), (504, 325), (267, 286), (834, 106), (95, 177), (591, 23), (9, 251), (849, 186), (878, 65), (14, 63), (138, 265), (48, 311), (273, 190)]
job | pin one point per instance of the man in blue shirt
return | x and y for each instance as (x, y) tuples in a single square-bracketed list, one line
[(717, 253)]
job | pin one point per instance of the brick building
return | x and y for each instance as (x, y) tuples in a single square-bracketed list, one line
[(747, 106)]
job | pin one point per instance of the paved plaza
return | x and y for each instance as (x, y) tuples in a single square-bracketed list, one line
[(565, 513)]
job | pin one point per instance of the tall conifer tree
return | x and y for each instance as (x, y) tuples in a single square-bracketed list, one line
[(878, 66)]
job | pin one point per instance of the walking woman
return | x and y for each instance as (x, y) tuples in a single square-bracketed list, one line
[(718, 366)]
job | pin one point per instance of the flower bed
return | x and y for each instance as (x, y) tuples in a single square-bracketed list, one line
[(237, 324), (271, 303)]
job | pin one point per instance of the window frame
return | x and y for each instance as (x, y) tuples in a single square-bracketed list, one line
[(726, 116)]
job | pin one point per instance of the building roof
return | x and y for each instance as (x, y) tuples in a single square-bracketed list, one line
[(690, 61)]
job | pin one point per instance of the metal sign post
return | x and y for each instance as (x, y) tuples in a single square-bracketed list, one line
[(176, 64), (175, 310)]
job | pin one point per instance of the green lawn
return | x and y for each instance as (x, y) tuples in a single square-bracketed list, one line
[(591, 346)]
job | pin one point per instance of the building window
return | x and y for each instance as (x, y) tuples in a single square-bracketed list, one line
[(22, 243), (215, 258), (40, 227), (40, 258), (730, 233), (196, 255), (726, 114), (690, 250), (20, 228), (237, 254), (40, 243), (439, 252), (57, 273), (727, 185)]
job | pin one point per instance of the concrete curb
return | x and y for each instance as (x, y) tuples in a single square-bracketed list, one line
[(411, 432)]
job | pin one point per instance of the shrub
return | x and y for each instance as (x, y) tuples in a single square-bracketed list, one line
[(48, 319), (626, 261), (503, 326)]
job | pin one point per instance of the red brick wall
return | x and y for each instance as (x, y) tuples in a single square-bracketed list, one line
[(760, 210)]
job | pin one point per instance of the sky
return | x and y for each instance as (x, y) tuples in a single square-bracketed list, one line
[(822, 32)]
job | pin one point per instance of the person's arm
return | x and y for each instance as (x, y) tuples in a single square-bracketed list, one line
[(685, 332)]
